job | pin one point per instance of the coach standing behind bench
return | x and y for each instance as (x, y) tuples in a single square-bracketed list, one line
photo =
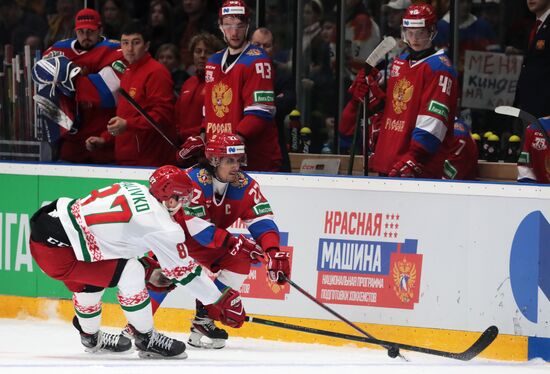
[(149, 83)]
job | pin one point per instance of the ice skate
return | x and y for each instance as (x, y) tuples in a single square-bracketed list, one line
[(205, 334), (102, 341), (155, 345)]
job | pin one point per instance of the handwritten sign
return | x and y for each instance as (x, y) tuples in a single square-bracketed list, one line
[(490, 79)]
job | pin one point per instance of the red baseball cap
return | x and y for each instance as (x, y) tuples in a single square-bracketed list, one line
[(87, 19)]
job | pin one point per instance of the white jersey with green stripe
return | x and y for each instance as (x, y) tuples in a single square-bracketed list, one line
[(124, 221)]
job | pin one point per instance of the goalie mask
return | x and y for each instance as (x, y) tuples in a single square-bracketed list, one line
[(171, 182), (225, 145), (419, 18)]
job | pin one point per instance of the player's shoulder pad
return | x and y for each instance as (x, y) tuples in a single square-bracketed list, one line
[(109, 43), (440, 62), (460, 128), (216, 58), (252, 54), (201, 178), (544, 121), (65, 43)]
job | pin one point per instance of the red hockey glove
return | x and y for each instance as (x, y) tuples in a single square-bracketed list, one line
[(192, 147), (247, 247), (406, 169), (154, 279), (359, 88), (228, 309), (278, 264)]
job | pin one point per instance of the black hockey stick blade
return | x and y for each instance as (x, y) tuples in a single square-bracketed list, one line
[(145, 115), (484, 340)]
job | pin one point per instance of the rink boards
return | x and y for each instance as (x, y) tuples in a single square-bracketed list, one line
[(430, 263)]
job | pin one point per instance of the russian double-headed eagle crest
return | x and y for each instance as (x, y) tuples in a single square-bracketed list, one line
[(241, 181), (402, 94), (204, 177), (222, 95), (404, 278)]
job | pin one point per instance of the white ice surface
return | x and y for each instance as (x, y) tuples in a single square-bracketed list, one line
[(37, 346)]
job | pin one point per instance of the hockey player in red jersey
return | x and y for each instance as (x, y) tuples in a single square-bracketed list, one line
[(222, 195), (421, 99), (239, 96), (101, 64), (92, 243), (534, 160), (461, 161)]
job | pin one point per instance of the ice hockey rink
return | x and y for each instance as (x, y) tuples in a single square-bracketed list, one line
[(53, 346)]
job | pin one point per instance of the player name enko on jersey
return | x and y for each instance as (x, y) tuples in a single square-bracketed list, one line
[(138, 198)]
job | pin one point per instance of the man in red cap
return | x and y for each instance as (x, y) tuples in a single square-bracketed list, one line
[(101, 63)]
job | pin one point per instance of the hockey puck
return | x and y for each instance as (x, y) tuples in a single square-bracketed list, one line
[(393, 351)]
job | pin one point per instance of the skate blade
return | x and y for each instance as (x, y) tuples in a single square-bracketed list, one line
[(155, 356), (103, 351), (211, 344)]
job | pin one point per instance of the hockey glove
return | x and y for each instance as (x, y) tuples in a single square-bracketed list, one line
[(247, 247), (360, 88), (228, 309), (192, 147), (406, 169), (154, 279), (278, 265)]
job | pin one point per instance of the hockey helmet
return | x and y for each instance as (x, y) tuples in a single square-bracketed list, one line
[(419, 15), (234, 8), (169, 181), (224, 145)]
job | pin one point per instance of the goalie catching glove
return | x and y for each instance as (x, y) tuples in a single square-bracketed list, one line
[(154, 279), (228, 309), (278, 265)]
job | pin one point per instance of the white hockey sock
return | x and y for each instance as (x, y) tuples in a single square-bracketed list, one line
[(134, 297), (231, 279), (87, 306)]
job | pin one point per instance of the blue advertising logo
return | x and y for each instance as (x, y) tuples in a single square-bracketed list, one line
[(530, 263)]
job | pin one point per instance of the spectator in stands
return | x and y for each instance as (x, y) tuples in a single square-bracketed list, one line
[(394, 11), (312, 41), (474, 34), (533, 89), (168, 55), (285, 94), (191, 98), (362, 32), (61, 24), (160, 25), (135, 141), (193, 17), (16, 23), (100, 61), (114, 15)]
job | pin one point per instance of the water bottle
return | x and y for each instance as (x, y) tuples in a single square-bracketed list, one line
[(513, 150), (477, 139), (493, 148), (305, 139), (484, 145), (294, 127)]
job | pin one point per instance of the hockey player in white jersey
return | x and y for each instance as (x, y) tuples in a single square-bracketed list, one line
[(92, 243)]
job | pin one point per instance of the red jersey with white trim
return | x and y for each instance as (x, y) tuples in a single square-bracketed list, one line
[(239, 99), (421, 100), (241, 199), (188, 111), (96, 87), (534, 160)]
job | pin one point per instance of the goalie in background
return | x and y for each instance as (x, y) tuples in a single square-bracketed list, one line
[(93, 242), (77, 98), (534, 160), (416, 127)]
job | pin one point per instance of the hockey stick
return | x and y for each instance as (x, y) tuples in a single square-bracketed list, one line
[(484, 340), (149, 119), (374, 58), (524, 116), (393, 351)]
